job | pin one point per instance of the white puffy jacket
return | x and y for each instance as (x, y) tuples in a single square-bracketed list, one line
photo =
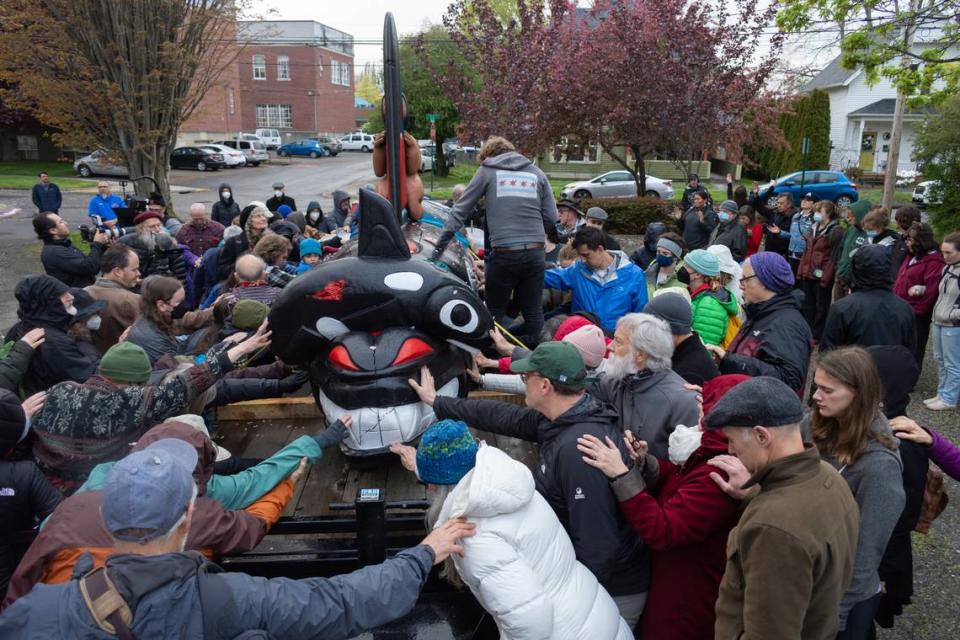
[(520, 564)]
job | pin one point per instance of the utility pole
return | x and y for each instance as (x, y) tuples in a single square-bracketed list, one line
[(893, 155), (316, 127)]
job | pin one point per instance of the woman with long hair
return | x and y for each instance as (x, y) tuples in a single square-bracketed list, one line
[(520, 565), (946, 328), (164, 316), (852, 434)]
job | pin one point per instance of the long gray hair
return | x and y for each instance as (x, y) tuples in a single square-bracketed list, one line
[(439, 495)]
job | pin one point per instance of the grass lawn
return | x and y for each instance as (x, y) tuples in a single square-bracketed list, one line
[(23, 174)]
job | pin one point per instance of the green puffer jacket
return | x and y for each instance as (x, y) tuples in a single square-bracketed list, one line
[(711, 312)]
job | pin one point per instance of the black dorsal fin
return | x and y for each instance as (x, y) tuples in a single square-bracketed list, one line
[(380, 234)]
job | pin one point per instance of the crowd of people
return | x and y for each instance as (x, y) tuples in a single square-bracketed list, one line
[(722, 440)]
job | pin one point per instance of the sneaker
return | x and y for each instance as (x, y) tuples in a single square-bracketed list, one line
[(930, 401), (940, 405)]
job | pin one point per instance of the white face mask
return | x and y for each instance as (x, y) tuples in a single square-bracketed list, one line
[(683, 442), (94, 322), (72, 310), (225, 195), (278, 193)]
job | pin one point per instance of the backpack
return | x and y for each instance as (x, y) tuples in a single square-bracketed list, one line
[(733, 328)]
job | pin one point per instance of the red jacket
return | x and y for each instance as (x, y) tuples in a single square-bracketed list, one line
[(925, 271), (685, 525), (754, 238), (821, 254), (199, 239)]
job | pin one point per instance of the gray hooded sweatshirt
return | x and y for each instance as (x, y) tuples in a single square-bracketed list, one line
[(876, 481), (518, 200)]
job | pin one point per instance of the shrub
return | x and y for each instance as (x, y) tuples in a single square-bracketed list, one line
[(630, 216)]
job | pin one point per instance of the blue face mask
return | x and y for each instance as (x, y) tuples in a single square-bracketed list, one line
[(724, 216), (872, 234), (818, 217), (665, 261)]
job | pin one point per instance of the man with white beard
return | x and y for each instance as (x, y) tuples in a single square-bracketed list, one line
[(158, 252), (648, 396)]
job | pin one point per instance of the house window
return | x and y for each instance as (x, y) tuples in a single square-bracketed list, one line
[(274, 116), (259, 67), (572, 149), (283, 68)]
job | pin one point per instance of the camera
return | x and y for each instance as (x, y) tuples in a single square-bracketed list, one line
[(87, 232)]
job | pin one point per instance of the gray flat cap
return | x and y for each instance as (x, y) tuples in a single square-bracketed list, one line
[(596, 213), (761, 401), (278, 185)]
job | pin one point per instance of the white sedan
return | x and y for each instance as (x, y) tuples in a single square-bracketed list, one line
[(231, 157), (617, 184)]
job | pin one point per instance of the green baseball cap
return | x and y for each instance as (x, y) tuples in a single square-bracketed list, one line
[(557, 361)]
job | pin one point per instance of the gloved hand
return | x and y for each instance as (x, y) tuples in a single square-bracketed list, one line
[(332, 435), (442, 243), (293, 382)]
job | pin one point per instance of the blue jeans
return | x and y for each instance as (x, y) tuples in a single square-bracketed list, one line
[(946, 351)]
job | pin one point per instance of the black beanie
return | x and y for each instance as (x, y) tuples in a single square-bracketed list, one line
[(12, 420)]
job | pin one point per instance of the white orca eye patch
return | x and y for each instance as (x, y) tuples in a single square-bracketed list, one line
[(459, 315), (404, 281)]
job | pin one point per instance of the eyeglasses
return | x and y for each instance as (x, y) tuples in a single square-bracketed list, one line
[(745, 278), (526, 376)]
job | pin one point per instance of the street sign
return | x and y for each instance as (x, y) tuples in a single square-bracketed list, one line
[(432, 117)]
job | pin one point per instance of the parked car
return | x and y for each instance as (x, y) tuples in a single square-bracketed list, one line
[(99, 163), (231, 157), (331, 143), (427, 158), (270, 138), (357, 142), (306, 147), (252, 137), (617, 184), (196, 158), (927, 193), (825, 185), (255, 152)]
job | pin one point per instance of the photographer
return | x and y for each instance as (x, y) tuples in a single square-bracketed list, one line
[(60, 258), (158, 252)]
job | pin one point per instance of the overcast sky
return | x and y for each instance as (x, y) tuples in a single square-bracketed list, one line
[(363, 19)]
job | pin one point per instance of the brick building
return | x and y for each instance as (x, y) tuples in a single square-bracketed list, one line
[(292, 75)]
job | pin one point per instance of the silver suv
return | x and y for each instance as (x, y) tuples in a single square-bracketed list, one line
[(255, 152)]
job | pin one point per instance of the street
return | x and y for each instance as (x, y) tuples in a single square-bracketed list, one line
[(306, 179)]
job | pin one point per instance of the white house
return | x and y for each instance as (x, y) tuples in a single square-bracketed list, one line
[(861, 120)]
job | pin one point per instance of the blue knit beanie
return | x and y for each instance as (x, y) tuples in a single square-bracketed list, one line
[(284, 210), (772, 270), (309, 246), (447, 452), (703, 262)]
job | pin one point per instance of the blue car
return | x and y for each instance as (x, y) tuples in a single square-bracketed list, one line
[(306, 147), (825, 185)]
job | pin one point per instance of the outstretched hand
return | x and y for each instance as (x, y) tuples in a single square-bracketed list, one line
[(34, 403), (736, 472), (445, 539), (426, 389), (500, 343), (408, 455), (907, 429), (602, 455)]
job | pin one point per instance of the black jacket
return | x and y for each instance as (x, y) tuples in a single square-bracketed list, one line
[(165, 259), (777, 243), (692, 362), (774, 341), (224, 211), (26, 498), (67, 263), (231, 250), (696, 234), (274, 203), (49, 199), (872, 314), (60, 358), (579, 494), (732, 235), (687, 201)]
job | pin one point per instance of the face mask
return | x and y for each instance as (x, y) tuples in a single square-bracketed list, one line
[(683, 276), (683, 442), (93, 323), (225, 195), (179, 311), (313, 216), (279, 194), (71, 310), (665, 261), (724, 216), (872, 234), (818, 217)]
